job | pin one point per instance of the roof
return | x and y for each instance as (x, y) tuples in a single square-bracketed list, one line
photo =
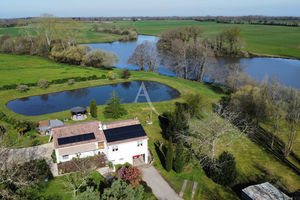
[(77, 149), (265, 191), (125, 133), (74, 134), (78, 109), (44, 123), (56, 123), (122, 123)]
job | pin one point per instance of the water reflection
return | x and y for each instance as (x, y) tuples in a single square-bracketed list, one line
[(127, 91)]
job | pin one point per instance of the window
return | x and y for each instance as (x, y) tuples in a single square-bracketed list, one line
[(100, 145), (115, 148), (140, 143), (65, 157)]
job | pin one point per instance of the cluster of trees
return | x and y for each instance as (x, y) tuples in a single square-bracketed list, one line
[(145, 56), (270, 103), (128, 33)]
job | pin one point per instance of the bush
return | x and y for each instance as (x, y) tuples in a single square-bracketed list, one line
[(42, 83), (111, 75), (71, 81), (2, 130), (22, 88), (194, 102), (131, 175), (99, 58), (126, 74)]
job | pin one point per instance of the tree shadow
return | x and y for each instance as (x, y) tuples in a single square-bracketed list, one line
[(263, 137), (217, 88), (161, 155)]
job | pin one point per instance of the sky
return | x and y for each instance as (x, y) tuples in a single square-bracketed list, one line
[(117, 8)]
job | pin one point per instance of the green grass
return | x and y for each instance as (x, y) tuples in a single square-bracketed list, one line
[(252, 160), (17, 69)]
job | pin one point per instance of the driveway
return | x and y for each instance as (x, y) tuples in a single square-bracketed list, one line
[(22, 155), (160, 188)]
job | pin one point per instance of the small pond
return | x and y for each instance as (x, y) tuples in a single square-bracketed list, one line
[(287, 70), (60, 101)]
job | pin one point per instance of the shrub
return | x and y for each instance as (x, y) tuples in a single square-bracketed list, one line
[(194, 102), (99, 58), (126, 74), (111, 75), (131, 174), (22, 88), (2, 130), (93, 108), (42, 83), (71, 81)]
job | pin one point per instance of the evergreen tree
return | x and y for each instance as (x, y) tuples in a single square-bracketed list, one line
[(194, 102), (228, 174), (93, 108), (167, 124), (169, 157), (179, 158), (113, 107)]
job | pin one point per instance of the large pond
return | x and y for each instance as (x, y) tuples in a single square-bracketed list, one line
[(60, 101), (287, 70)]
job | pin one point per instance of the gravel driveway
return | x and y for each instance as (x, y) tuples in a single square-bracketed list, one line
[(160, 188)]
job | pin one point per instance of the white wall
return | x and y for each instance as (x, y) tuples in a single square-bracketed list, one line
[(126, 151)]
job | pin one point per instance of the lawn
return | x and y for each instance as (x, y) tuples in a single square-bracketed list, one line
[(16, 69), (254, 163), (260, 39)]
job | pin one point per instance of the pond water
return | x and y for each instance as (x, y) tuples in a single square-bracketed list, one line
[(287, 70), (60, 101)]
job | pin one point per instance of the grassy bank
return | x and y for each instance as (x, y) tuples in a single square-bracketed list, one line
[(259, 39)]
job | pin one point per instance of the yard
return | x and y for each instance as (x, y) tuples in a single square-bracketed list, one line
[(254, 162)]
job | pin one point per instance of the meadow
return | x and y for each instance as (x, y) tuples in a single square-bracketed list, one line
[(254, 162), (263, 40)]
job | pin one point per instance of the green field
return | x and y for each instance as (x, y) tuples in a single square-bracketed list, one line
[(254, 163), (260, 39)]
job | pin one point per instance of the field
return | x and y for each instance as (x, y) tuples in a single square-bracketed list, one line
[(254, 162), (259, 39)]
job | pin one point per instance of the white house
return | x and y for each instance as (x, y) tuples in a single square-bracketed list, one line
[(121, 141)]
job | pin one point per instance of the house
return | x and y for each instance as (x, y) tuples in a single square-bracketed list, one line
[(120, 142), (264, 191), (45, 127)]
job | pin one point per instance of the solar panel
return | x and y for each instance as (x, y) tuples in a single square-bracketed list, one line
[(76, 138), (123, 133)]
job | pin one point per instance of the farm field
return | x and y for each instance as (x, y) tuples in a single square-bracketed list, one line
[(254, 163), (263, 40)]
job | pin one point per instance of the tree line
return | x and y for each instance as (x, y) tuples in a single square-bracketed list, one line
[(127, 33)]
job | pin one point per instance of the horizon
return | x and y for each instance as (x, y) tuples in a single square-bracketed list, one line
[(155, 8)]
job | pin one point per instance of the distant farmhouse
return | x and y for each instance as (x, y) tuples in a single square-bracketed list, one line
[(264, 191), (121, 142)]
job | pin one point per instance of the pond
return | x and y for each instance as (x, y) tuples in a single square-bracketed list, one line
[(60, 101), (287, 70)]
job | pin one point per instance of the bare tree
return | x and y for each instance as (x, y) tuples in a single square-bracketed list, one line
[(78, 179), (47, 27), (293, 117), (215, 132), (145, 55)]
